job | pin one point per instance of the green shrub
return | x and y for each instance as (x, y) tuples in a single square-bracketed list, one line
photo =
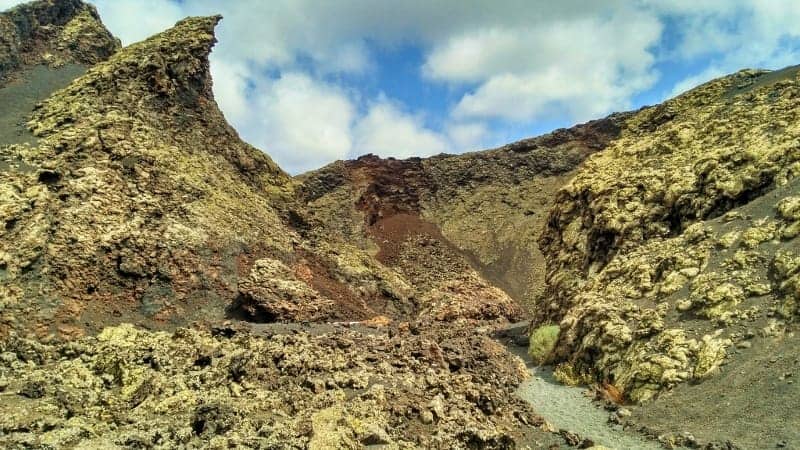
[(543, 341)]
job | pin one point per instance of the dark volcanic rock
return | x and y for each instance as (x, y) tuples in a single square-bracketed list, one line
[(53, 32)]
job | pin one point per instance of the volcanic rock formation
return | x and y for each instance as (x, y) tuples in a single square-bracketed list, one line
[(54, 33), (131, 200), (165, 284)]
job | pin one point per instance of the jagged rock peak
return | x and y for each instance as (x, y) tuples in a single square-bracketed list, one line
[(165, 82), (53, 32), (174, 62), (129, 153)]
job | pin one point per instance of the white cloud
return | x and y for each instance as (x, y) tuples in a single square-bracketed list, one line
[(729, 35), (387, 131), (478, 55), (135, 20), (281, 33), (230, 80), (468, 135), (695, 80), (507, 63), (584, 67), (722, 26), (304, 122), (347, 58)]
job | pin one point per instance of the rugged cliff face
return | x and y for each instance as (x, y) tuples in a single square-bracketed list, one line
[(127, 199), (488, 208), (668, 251), (163, 283), (43, 46), (670, 254), (680, 228), (140, 203), (137, 199), (53, 33)]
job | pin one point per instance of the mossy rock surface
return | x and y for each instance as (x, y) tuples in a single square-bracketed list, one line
[(662, 245)]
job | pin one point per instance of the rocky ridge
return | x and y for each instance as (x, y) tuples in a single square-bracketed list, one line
[(130, 186), (667, 250), (489, 207), (163, 283), (53, 33), (161, 209), (128, 387), (682, 219), (136, 203)]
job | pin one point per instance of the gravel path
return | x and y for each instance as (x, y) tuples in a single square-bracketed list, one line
[(569, 408)]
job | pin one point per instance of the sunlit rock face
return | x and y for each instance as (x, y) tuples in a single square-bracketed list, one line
[(130, 204), (667, 242), (53, 33), (165, 284), (136, 200)]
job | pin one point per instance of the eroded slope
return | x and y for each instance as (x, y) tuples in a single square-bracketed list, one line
[(139, 206), (44, 45), (486, 209), (136, 195), (54, 33), (669, 254), (670, 249), (678, 244)]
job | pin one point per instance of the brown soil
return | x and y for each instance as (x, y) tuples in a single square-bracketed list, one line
[(391, 232), (390, 201), (390, 185), (347, 305)]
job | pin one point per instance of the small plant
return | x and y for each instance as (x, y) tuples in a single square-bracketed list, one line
[(543, 341)]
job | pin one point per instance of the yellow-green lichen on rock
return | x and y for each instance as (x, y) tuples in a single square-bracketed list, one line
[(647, 366), (787, 265), (149, 205), (52, 32), (272, 291), (331, 431), (229, 387), (658, 231), (566, 373), (761, 231)]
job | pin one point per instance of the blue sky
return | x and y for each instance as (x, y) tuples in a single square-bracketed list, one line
[(312, 81)]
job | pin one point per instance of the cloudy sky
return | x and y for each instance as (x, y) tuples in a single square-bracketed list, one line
[(312, 81)]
